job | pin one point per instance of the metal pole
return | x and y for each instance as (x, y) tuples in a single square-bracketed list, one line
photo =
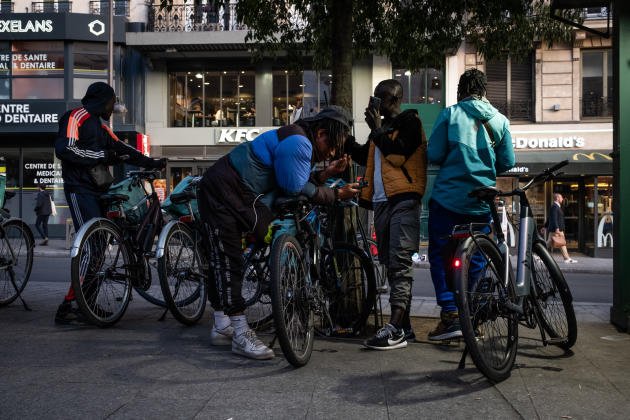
[(110, 52)]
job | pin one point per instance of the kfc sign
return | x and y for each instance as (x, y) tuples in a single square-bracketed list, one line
[(238, 135)]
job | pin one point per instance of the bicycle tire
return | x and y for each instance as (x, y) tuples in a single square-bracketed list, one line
[(13, 279), (256, 281), (489, 328), (153, 294), (380, 271), (183, 273), (553, 299), (291, 300), (100, 273), (350, 288)]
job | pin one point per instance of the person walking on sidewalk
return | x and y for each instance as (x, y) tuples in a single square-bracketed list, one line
[(471, 143), (236, 196), (43, 210), (83, 142), (395, 160), (555, 225)]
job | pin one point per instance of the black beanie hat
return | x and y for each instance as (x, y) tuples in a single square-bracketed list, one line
[(98, 94)]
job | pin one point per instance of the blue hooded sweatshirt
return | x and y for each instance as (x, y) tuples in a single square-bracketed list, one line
[(461, 145)]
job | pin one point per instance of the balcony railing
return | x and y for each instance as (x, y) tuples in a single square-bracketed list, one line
[(49, 7), (194, 18), (597, 107), (121, 7), (515, 110), (6, 7)]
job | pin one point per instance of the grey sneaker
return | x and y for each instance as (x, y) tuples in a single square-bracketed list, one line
[(249, 345), (448, 328), (387, 338), (221, 337)]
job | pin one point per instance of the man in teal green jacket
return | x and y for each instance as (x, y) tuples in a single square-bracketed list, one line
[(471, 143)]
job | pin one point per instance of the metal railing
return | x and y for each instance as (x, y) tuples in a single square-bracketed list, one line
[(50, 7), (121, 7), (595, 13), (515, 110), (194, 18), (6, 7), (597, 107)]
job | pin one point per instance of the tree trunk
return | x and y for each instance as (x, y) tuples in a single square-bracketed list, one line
[(341, 14)]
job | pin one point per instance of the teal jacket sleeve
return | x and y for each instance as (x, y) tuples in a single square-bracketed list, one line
[(505, 151)]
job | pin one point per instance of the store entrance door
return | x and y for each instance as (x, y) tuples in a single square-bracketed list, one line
[(178, 170), (572, 189)]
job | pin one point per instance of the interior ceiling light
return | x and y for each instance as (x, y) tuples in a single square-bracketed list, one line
[(199, 76)]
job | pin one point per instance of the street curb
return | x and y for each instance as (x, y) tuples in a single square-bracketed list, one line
[(565, 269)]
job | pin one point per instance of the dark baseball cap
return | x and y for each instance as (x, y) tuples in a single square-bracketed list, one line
[(333, 112)]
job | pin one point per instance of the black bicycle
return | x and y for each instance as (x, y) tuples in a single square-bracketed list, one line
[(317, 285), (493, 302), (111, 256), (16, 255)]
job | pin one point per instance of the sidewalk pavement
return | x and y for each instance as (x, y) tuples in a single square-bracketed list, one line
[(144, 368), (585, 264)]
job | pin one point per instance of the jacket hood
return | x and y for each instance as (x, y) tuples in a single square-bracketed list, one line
[(479, 109), (96, 97)]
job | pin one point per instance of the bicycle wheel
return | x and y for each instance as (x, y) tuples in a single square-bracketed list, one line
[(153, 294), (553, 299), (100, 272), (489, 328), (291, 300), (256, 280), (350, 288), (182, 272), (380, 271), (16, 256)]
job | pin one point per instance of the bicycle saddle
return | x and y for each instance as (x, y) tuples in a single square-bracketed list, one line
[(289, 204), (113, 198), (484, 193), (183, 197)]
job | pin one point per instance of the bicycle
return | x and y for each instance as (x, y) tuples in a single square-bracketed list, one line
[(111, 255), (492, 302), (182, 250), (317, 285), (16, 255)]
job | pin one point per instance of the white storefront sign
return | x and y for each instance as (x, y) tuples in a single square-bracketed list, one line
[(560, 142), (237, 135), (26, 26), (21, 114)]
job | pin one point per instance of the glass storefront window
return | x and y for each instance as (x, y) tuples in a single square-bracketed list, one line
[(37, 88), (605, 216), (597, 86), (5, 63), (80, 85), (37, 58), (422, 87), (5, 88), (288, 97), (90, 59), (209, 99)]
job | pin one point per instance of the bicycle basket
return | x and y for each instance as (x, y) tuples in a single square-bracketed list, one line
[(137, 206), (178, 210)]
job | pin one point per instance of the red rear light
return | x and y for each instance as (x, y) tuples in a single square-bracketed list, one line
[(186, 219), (457, 263), (114, 214)]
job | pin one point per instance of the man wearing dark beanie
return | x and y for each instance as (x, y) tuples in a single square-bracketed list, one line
[(84, 141)]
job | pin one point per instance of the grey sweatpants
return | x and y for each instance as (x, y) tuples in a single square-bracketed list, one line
[(398, 235)]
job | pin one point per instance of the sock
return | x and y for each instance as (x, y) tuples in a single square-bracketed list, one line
[(221, 320), (239, 322)]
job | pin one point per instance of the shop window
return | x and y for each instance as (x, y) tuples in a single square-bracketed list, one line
[(80, 85), (288, 94), (597, 84), (5, 88), (509, 88), (204, 99), (37, 88), (37, 58), (421, 87), (90, 59)]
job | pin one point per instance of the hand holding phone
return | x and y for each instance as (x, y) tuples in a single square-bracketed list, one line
[(375, 103), (362, 184)]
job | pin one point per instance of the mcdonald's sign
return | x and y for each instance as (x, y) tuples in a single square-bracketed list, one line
[(591, 156)]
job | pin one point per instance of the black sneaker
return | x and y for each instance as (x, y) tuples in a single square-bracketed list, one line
[(69, 314), (410, 334), (448, 328), (387, 338)]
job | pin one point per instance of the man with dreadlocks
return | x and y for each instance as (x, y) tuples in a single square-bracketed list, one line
[(236, 195), (471, 143)]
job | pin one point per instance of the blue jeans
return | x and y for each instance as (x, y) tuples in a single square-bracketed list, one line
[(441, 223)]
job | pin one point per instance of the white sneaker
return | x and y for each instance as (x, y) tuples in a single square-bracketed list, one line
[(570, 261), (221, 337), (248, 345)]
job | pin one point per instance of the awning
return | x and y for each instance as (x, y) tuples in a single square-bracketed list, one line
[(581, 162)]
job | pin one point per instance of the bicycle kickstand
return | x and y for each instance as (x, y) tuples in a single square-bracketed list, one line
[(462, 361), (12, 277)]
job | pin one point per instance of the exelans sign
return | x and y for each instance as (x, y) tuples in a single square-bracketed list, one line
[(73, 26), (18, 26)]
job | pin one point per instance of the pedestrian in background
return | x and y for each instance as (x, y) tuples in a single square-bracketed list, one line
[(555, 228), (43, 210)]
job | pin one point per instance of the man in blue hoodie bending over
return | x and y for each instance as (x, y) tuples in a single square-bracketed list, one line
[(471, 143), (236, 196)]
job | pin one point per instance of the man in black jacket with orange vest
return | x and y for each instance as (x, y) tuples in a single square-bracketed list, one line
[(85, 140)]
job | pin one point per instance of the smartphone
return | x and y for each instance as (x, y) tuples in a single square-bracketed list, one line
[(375, 103), (362, 184)]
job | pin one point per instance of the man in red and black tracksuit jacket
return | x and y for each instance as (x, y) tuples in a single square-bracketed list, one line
[(83, 141)]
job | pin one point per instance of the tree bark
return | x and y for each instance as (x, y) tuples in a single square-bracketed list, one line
[(341, 47)]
